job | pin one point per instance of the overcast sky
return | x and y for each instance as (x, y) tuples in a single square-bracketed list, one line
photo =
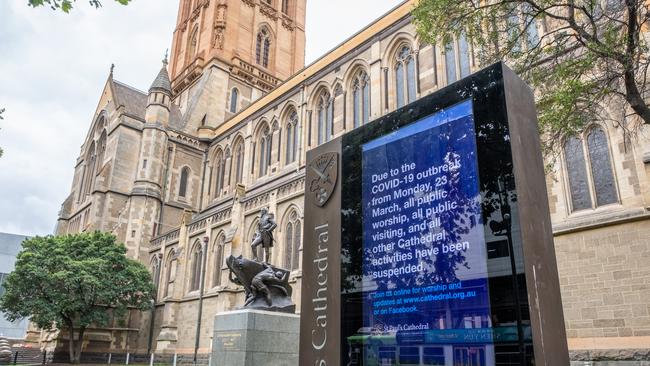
[(53, 68)]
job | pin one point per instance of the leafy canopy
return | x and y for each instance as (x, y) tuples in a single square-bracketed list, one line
[(576, 54), (74, 279), (66, 5)]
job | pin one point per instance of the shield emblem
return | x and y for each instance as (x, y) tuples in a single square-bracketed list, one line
[(323, 174)]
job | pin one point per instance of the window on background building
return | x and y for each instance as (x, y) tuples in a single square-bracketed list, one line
[(196, 267), (238, 163), (218, 260), (3, 277), (589, 171), (457, 59), (293, 237), (405, 76), (325, 117), (292, 138), (360, 99), (265, 144), (182, 186), (234, 98), (285, 6), (220, 173), (530, 25), (262, 47)]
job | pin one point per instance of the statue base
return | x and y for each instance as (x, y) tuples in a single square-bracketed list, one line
[(251, 337)]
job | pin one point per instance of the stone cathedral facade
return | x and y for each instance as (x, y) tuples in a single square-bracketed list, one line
[(179, 173)]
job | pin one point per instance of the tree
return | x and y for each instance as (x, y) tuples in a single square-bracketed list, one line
[(74, 281), (66, 5), (591, 52)]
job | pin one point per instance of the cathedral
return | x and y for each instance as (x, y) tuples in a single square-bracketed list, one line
[(179, 173)]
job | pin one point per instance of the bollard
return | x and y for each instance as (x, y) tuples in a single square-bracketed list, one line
[(209, 359), (44, 357), (127, 357), (110, 355), (174, 364), (16, 358), (151, 360)]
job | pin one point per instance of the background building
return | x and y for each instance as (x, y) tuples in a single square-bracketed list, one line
[(10, 246), (223, 130)]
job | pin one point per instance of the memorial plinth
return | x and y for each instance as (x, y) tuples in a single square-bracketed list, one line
[(255, 337)]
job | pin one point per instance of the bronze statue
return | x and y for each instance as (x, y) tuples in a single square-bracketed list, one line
[(266, 287), (264, 235)]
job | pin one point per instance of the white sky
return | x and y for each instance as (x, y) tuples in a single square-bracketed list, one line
[(53, 67)]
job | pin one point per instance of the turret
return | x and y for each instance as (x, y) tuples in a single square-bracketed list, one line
[(159, 100)]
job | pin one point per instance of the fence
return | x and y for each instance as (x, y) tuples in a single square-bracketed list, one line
[(28, 356)]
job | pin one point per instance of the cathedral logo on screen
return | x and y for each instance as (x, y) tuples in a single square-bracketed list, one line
[(325, 171)]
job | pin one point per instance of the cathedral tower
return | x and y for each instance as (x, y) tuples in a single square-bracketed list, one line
[(148, 187), (237, 50)]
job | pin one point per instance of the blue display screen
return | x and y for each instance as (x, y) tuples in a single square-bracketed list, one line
[(424, 267)]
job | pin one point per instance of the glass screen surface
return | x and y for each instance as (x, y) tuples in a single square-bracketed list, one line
[(424, 265)]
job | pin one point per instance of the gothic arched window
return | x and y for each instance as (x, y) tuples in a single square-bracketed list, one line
[(218, 260), (262, 47), (101, 150), (234, 98), (404, 76), (194, 42), (292, 138), (196, 265), (238, 162), (325, 117), (360, 99), (285, 6), (155, 273), (182, 185), (91, 158), (593, 158), (265, 145), (219, 173), (293, 237), (457, 58), (601, 167), (171, 273)]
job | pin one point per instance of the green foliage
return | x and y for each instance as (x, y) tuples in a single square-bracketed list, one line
[(591, 52), (66, 5), (59, 280)]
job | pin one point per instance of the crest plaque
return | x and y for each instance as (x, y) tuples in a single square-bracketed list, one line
[(325, 166)]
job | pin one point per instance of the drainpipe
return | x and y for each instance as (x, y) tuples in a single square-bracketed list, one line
[(200, 311), (164, 191)]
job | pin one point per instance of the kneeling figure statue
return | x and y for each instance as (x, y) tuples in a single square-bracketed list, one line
[(266, 286)]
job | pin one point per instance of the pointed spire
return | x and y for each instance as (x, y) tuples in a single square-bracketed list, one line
[(165, 59), (161, 82)]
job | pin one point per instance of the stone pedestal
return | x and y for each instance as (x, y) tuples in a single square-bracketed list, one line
[(255, 337)]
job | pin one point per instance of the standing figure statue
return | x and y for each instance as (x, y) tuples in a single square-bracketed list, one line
[(264, 235)]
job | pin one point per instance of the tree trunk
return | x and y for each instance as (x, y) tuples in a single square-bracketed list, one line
[(71, 342), (79, 345), (634, 98)]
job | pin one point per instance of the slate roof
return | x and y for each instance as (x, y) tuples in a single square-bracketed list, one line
[(135, 102), (161, 82)]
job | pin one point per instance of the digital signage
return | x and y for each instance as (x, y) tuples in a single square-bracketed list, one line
[(424, 251), (427, 236)]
